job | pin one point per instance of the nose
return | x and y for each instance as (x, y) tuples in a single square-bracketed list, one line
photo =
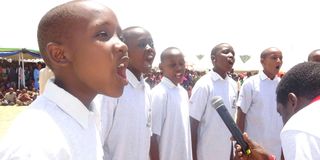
[(150, 51), (148, 46), (121, 47), (230, 55), (279, 60), (180, 68)]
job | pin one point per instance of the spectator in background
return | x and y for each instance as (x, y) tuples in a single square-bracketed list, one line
[(1, 97), (257, 109), (187, 80), (12, 76), (24, 99), (10, 97), (36, 72), (314, 56)]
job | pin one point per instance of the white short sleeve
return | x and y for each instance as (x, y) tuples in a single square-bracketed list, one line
[(158, 108), (245, 97), (198, 100)]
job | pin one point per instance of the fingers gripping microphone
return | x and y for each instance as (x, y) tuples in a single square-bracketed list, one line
[(217, 103)]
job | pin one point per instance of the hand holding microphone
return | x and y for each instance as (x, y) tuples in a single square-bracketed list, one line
[(217, 103)]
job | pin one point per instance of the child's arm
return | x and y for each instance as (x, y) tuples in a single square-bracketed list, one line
[(154, 148), (240, 119), (194, 136)]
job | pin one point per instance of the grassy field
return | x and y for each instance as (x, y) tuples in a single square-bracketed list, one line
[(7, 114)]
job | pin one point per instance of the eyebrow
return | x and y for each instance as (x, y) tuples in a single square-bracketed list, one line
[(104, 23)]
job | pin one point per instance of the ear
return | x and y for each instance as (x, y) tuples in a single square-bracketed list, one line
[(293, 101), (261, 60), (213, 58), (56, 54), (161, 66)]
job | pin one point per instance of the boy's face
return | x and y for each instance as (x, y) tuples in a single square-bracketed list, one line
[(173, 66), (272, 62), (141, 51), (224, 59), (98, 57)]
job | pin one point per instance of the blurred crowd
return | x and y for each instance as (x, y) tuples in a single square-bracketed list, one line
[(17, 88)]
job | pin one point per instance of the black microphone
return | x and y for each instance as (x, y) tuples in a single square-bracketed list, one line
[(217, 103)]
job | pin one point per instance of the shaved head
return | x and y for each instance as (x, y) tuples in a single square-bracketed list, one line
[(268, 51), (133, 32), (169, 52), (57, 24), (219, 47), (314, 56)]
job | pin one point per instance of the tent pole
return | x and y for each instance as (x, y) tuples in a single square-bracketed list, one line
[(23, 74), (19, 72)]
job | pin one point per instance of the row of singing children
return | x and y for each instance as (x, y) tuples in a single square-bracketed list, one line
[(81, 41), (128, 122)]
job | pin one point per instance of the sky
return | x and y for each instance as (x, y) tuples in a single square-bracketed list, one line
[(195, 27)]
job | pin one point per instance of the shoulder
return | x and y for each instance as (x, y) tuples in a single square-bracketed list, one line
[(158, 88), (309, 115), (205, 80), (251, 80), (232, 81)]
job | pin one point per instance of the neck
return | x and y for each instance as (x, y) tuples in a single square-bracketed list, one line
[(136, 73), (316, 99), (82, 93), (221, 73), (269, 75)]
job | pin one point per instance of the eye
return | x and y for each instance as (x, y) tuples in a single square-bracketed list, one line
[(151, 44), (122, 38), (103, 36), (142, 44), (172, 65)]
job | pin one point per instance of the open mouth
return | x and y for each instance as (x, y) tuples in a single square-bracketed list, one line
[(179, 75), (230, 63), (121, 70), (277, 67), (148, 61)]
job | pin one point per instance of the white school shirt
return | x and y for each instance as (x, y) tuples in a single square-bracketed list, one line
[(300, 136), (213, 135), (170, 120), (126, 121), (44, 74), (56, 126), (257, 99)]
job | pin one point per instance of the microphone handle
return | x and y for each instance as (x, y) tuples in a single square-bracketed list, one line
[(233, 128)]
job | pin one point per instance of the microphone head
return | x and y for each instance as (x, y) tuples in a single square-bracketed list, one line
[(217, 102)]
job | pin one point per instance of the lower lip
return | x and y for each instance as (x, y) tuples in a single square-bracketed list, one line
[(122, 80)]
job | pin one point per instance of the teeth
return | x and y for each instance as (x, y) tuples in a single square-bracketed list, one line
[(121, 65), (124, 57)]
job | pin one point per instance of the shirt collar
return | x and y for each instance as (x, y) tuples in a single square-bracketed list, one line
[(133, 80), (263, 76), (168, 82), (68, 103), (215, 76)]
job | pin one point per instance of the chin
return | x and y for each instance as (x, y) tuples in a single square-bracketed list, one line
[(117, 92), (147, 69)]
